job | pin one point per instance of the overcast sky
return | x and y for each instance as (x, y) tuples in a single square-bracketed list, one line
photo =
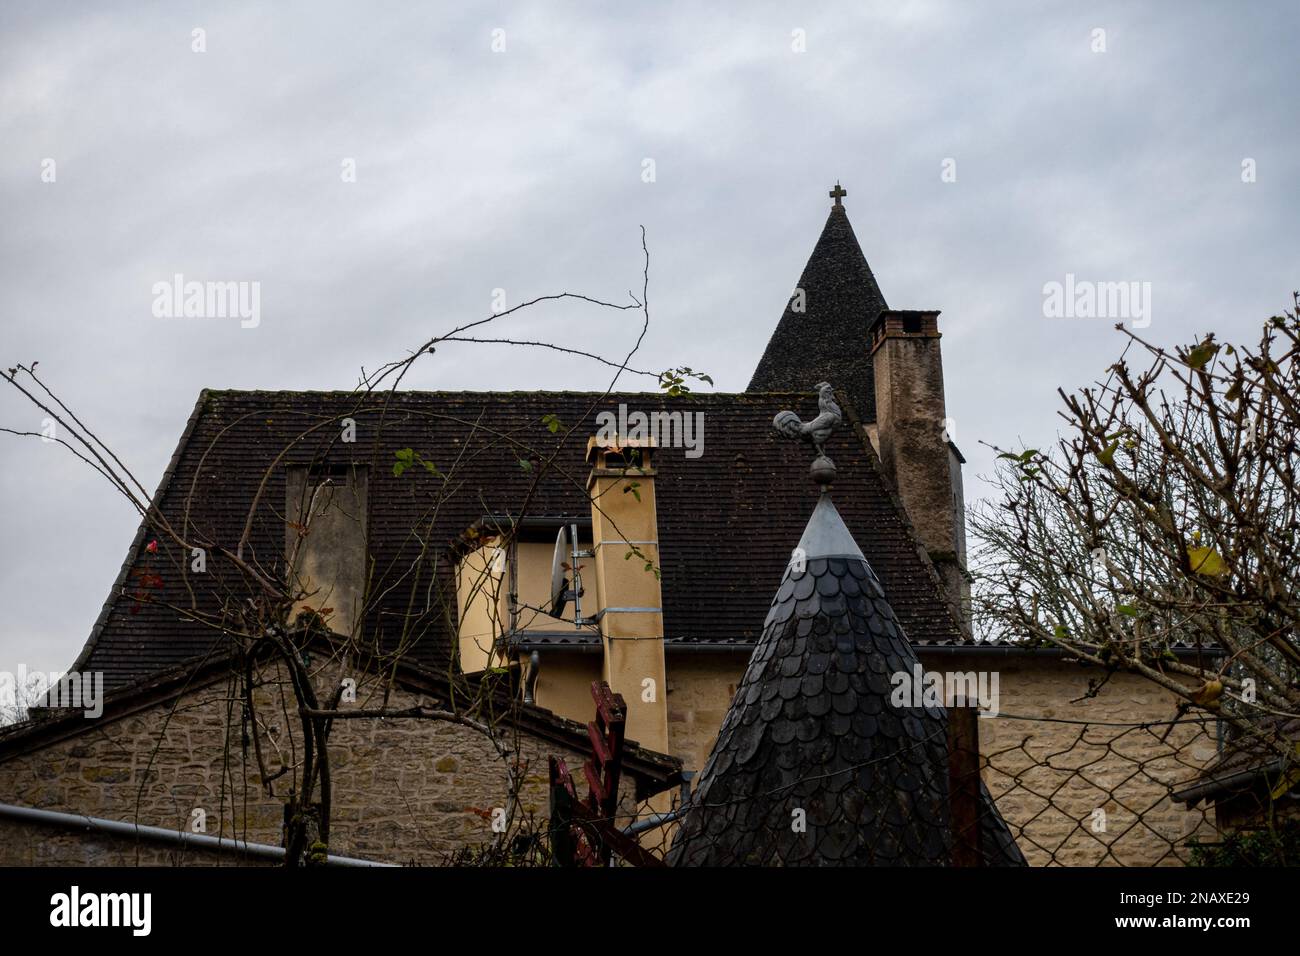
[(523, 169)]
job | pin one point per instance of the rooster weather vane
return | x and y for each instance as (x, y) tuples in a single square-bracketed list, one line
[(816, 432)]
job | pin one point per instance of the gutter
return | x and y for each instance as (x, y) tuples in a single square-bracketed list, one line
[(1020, 651), (586, 647), (691, 647), (598, 647), (1216, 785), (719, 647), (987, 649), (200, 841)]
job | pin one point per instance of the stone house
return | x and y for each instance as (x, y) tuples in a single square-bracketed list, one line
[(172, 751), (415, 521)]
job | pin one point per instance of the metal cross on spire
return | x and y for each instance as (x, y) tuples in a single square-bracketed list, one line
[(838, 193)]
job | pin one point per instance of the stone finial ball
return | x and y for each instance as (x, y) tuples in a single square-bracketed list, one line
[(822, 470)]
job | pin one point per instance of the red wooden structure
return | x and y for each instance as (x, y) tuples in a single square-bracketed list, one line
[(585, 832)]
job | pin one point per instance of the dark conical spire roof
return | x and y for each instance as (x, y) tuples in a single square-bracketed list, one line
[(830, 338), (812, 728)]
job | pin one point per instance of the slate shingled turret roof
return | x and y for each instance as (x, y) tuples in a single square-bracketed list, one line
[(812, 737), (830, 340)]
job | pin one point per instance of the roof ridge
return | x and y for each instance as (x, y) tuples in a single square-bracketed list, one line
[(745, 395)]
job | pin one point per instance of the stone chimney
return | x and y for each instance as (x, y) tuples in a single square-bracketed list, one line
[(325, 541), (629, 605), (913, 434)]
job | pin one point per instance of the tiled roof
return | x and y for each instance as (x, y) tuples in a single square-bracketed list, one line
[(1243, 763), (812, 729), (830, 339), (726, 520)]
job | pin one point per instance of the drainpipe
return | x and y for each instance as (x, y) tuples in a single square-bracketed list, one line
[(199, 841), (654, 820), (530, 686), (659, 819)]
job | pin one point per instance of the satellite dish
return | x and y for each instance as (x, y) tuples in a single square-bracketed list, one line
[(559, 585)]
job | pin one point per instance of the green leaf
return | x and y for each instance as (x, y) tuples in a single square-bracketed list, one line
[(1128, 610), (405, 458), (552, 423), (525, 465), (673, 380), (1023, 458)]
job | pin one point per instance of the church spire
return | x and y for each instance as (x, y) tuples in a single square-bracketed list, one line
[(825, 330)]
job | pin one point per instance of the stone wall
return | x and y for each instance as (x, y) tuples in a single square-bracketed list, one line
[(1094, 795), (404, 791), (415, 790), (700, 688)]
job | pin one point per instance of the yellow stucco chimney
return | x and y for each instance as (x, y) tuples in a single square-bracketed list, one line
[(625, 545)]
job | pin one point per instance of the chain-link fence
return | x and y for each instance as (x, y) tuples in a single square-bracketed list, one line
[(1078, 793), (1068, 792)]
